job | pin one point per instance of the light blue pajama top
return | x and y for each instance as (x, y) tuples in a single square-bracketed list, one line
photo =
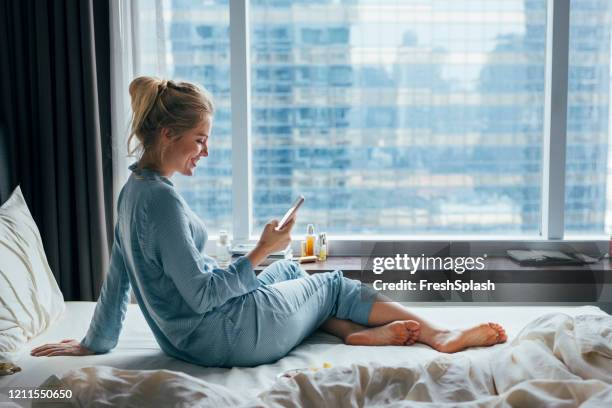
[(197, 311), (176, 285)]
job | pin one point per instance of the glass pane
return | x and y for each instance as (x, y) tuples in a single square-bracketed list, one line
[(399, 117), (189, 40), (587, 208)]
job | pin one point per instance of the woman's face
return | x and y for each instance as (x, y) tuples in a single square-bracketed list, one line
[(182, 154)]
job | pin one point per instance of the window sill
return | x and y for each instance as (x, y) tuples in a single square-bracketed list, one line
[(456, 246)]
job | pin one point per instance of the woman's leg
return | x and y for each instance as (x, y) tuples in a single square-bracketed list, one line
[(273, 319), (390, 322), (387, 318), (388, 333)]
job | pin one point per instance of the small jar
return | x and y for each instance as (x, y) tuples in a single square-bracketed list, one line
[(310, 240), (323, 250)]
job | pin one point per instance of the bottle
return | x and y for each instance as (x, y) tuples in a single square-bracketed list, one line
[(223, 253), (310, 240), (322, 247)]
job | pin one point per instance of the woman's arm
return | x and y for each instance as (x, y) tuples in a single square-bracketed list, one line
[(108, 316), (169, 244), (107, 320)]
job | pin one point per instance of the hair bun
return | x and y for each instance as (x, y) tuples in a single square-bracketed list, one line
[(162, 86)]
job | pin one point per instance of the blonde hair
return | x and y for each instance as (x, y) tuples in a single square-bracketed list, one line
[(160, 103)]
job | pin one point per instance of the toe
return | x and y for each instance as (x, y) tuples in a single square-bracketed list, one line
[(498, 328), (501, 333)]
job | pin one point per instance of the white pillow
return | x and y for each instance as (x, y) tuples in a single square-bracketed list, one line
[(30, 300)]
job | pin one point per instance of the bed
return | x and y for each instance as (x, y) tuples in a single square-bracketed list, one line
[(137, 349)]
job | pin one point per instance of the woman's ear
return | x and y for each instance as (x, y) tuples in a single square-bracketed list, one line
[(166, 135)]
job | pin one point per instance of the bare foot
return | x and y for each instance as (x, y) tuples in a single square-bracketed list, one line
[(398, 333), (451, 341)]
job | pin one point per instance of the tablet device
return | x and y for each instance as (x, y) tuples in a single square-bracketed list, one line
[(296, 204)]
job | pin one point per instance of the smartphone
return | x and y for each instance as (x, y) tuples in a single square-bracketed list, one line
[(296, 204)]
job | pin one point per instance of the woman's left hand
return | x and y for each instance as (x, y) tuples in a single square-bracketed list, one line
[(67, 347)]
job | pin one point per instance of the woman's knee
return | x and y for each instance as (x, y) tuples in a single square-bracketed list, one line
[(327, 284), (350, 297), (293, 269)]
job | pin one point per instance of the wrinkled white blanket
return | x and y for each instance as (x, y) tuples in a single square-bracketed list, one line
[(555, 361)]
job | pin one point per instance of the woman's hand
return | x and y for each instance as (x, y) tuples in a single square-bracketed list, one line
[(276, 240), (66, 347), (271, 240)]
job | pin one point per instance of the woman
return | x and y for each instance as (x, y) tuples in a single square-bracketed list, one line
[(223, 317)]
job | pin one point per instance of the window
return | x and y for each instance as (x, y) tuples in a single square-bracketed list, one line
[(399, 117), (394, 117)]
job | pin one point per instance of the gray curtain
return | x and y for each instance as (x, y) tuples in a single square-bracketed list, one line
[(55, 110)]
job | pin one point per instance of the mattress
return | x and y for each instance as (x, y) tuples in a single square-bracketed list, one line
[(137, 349)]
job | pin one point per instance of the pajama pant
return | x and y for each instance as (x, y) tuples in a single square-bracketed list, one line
[(288, 307)]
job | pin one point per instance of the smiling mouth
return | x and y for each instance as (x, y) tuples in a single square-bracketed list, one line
[(194, 162)]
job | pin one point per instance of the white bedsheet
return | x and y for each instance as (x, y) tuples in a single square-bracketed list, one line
[(137, 349), (556, 361)]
